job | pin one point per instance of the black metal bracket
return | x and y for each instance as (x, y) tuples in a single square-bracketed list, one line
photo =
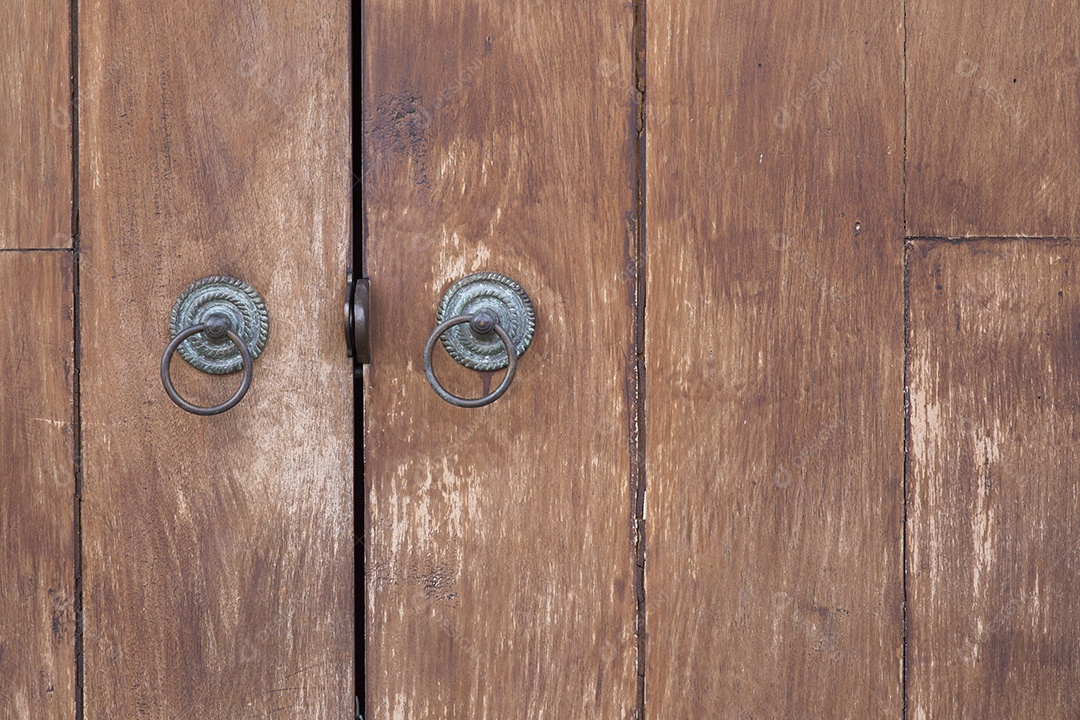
[(357, 343)]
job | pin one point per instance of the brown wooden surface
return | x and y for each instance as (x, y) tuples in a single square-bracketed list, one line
[(501, 136), (37, 621), (993, 118), (774, 352), (218, 556), (994, 510), (35, 124)]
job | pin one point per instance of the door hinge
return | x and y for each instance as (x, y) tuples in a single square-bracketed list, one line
[(356, 321)]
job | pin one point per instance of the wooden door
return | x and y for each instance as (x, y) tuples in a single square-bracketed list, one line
[(816, 258), (492, 143), (796, 436), (157, 564)]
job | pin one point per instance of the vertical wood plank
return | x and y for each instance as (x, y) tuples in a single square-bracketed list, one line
[(501, 136), (37, 621), (994, 512), (35, 124), (993, 118), (214, 139), (774, 339)]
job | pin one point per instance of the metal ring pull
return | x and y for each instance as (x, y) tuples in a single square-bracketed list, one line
[(219, 325), (215, 327), (481, 323), (500, 323)]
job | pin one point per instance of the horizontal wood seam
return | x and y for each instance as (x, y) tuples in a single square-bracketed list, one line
[(984, 238), (35, 250)]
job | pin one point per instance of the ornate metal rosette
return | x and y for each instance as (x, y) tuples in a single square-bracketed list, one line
[(502, 296), (220, 294)]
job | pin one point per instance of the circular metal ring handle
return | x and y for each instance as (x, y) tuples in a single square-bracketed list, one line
[(215, 326), (482, 322)]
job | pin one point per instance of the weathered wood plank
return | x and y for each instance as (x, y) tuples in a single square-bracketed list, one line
[(994, 510), (35, 124), (993, 118), (218, 551), (501, 136), (37, 577), (774, 352)]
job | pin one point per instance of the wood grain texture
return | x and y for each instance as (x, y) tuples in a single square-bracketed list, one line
[(501, 136), (37, 600), (994, 510), (35, 124), (218, 551), (993, 119), (774, 353)]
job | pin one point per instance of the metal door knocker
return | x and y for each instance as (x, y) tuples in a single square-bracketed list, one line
[(486, 321), (220, 325)]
